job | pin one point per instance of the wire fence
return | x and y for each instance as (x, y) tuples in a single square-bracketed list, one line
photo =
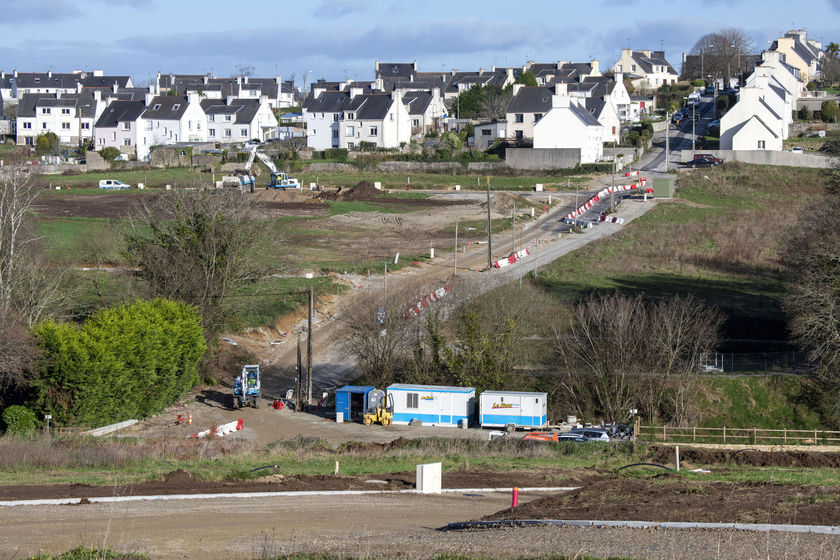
[(742, 436), (766, 363)]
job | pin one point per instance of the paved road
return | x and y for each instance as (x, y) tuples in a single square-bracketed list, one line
[(680, 138)]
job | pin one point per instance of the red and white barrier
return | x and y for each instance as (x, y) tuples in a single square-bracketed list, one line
[(601, 194), (631, 174), (221, 430), (611, 219), (427, 301), (501, 263)]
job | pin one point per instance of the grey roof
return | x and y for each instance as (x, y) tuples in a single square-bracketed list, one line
[(328, 102), (120, 111), (766, 106), (395, 69), (656, 58), (777, 90), (105, 81), (584, 115), (531, 99), (595, 105), (244, 109), (166, 107), (84, 104), (417, 101), (370, 106)]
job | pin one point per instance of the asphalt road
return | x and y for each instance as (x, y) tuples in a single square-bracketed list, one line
[(680, 138)]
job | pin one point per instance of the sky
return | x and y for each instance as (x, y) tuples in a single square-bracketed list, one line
[(337, 39)]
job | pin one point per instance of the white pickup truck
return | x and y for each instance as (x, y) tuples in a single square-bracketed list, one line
[(113, 184)]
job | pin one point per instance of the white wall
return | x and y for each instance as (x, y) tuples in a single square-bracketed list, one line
[(560, 128)]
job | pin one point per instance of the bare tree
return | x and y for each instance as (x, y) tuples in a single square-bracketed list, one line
[(495, 102), (723, 52), (198, 247), (18, 353)]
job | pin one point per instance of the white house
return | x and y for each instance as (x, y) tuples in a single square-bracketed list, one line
[(68, 116), (525, 109), (752, 123), (487, 133), (645, 69), (239, 120), (119, 125), (426, 109), (322, 115), (569, 125), (800, 52), (169, 119), (380, 119), (15, 84)]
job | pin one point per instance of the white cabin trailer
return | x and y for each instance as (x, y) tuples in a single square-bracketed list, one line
[(513, 409), (433, 405)]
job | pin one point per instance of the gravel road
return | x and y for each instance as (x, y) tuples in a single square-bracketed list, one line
[(379, 526)]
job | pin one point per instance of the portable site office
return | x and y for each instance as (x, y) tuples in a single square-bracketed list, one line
[(351, 402), (433, 405), (503, 409)]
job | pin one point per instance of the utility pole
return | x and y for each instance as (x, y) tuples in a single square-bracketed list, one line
[(612, 189), (489, 229), (513, 229), (667, 137), (298, 376), (536, 249), (309, 353), (456, 249), (693, 105)]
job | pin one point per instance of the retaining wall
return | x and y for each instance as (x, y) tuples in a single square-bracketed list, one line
[(542, 158), (766, 157)]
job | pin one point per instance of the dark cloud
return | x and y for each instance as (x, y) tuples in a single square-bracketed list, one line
[(335, 9), (30, 11), (835, 4)]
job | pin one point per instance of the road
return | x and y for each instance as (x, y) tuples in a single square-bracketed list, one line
[(680, 138)]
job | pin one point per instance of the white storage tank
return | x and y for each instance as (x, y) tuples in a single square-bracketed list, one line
[(513, 409), (433, 405)]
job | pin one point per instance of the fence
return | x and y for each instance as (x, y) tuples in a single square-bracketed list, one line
[(735, 436), (794, 363)]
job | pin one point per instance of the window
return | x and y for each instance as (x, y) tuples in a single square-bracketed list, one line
[(253, 93), (113, 137), (227, 118), (176, 106), (350, 131), (44, 126), (126, 141), (243, 133), (189, 125), (101, 141), (412, 400), (65, 126), (391, 115), (351, 145), (336, 117), (126, 126), (415, 122), (519, 118), (85, 126), (537, 116), (211, 132), (165, 131), (228, 133), (620, 68), (156, 107), (634, 68), (65, 111), (45, 111), (198, 125), (211, 118), (335, 133), (485, 132), (27, 125), (761, 144), (373, 131), (519, 135)]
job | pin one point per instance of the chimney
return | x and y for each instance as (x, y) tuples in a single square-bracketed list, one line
[(193, 98), (646, 53), (660, 54), (435, 92), (618, 77), (149, 97), (516, 88), (115, 87), (98, 73), (509, 77), (97, 95), (750, 94), (354, 91), (49, 73), (481, 71), (414, 64), (239, 80), (78, 87), (771, 58), (58, 94), (206, 79), (561, 88), (596, 69), (278, 81), (396, 95), (15, 73), (626, 53), (376, 65), (560, 101), (229, 99), (244, 79)]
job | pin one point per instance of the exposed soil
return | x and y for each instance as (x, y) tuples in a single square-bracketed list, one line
[(105, 205), (182, 482), (700, 456), (661, 500)]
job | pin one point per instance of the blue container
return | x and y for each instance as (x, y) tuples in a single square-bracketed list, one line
[(352, 401)]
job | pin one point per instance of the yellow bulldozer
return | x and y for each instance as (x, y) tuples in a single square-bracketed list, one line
[(380, 408)]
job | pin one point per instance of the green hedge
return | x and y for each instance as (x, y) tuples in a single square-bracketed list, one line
[(18, 419), (124, 362)]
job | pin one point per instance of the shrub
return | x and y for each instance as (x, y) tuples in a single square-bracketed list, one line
[(46, 143), (829, 111), (337, 154), (812, 85), (805, 113), (124, 362), (18, 420), (698, 83), (109, 154)]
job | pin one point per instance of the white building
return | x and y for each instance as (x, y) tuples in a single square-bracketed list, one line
[(426, 109), (645, 69), (487, 133), (345, 119), (239, 120), (569, 125), (169, 119), (69, 116), (119, 126), (752, 123)]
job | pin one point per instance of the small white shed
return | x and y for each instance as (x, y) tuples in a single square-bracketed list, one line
[(501, 409), (434, 405)]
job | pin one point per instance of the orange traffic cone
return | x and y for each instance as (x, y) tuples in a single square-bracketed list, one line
[(189, 419)]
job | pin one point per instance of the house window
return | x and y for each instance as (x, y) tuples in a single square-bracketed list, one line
[(156, 107), (519, 136), (189, 125), (415, 122), (211, 132), (176, 106), (243, 133), (65, 126), (350, 131), (392, 116), (149, 125), (211, 118), (537, 116), (485, 132), (198, 126), (44, 126), (620, 68), (335, 133), (761, 144), (45, 111), (335, 117), (227, 133), (412, 400), (634, 68), (373, 131), (126, 126), (519, 118), (351, 145), (164, 131), (227, 118), (65, 111), (253, 93), (27, 125), (113, 136), (101, 141), (85, 126), (126, 141), (351, 116)]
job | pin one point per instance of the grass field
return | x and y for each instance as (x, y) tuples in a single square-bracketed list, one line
[(435, 181), (718, 240), (153, 178)]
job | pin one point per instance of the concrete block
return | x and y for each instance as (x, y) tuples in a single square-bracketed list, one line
[(377, 185), (539, 187), (429, 478), (339, 417)]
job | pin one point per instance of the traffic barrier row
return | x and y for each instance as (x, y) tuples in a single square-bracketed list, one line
[(601, 194), (427, 301), (221, 430), (501, 263), (611, 219)]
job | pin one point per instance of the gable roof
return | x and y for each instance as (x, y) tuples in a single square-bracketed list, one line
[(327, 102), (370, 106), (531, 99), (417, 101), (395, 69), (166, 108), (584, 115), (244, 110), (120, 111), (656, 58), (84, 104)]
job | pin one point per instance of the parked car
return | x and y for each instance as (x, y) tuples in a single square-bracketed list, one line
[(592, 434), (796, 150), (113, 184), (715, 124), (707, 157)]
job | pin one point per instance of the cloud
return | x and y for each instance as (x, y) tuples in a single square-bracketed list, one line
[(335, 9), (31, 11), (130, 3), (835, 4)]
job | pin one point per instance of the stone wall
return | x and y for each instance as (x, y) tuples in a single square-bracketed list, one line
[(766, 157)]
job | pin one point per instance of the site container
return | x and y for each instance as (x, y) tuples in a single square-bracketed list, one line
[(433, 405), (513, 409)]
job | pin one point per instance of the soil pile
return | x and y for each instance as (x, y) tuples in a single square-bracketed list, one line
[(700, 456), (363, 191), (716, 502)]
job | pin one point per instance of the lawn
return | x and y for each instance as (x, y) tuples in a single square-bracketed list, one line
[(719, 240), (154, 178), (436, 181)]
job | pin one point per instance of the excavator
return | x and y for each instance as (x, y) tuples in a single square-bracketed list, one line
[(277, 179), (380, 408)]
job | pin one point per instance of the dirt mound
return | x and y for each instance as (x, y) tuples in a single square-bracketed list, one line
[(178, 478), (700, 456), (658, 500), (372, 447), (364, 190)]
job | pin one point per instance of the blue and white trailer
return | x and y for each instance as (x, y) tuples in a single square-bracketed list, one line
[(513, 409), (433, 405)]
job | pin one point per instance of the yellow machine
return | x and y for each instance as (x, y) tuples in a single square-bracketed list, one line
[(380, 408)]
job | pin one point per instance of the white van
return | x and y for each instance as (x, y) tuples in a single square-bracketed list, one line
[(113, 184)]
